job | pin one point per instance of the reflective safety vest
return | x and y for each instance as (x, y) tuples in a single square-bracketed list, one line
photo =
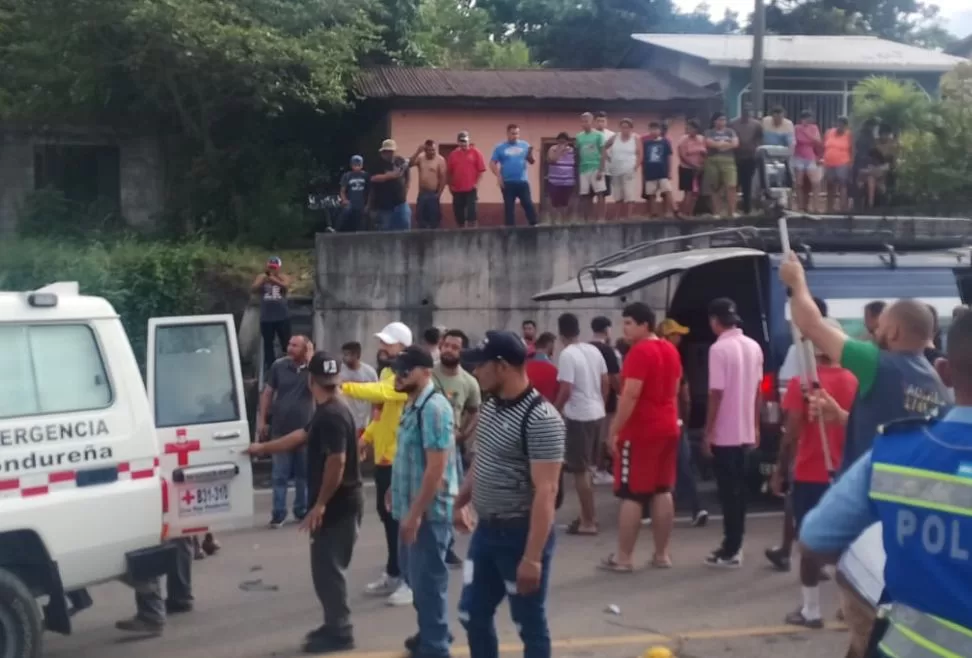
[(921, 486)]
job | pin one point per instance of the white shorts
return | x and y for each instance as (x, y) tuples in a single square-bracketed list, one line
[(626, 188), (590, 184), (660, 186)]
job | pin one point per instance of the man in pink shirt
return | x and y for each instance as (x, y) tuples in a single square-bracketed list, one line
[(731, 422)]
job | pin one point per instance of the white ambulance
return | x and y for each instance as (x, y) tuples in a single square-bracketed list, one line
[(97, 468)]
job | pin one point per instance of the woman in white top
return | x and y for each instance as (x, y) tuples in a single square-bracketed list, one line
[(622, 156)]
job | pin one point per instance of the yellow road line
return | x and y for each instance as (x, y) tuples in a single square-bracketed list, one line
[(623, 640)]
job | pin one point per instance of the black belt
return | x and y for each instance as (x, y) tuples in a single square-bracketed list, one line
[(505, 521)]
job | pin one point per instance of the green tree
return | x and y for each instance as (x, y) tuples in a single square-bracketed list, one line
[(899, 103), (458, 34), (216, 72)]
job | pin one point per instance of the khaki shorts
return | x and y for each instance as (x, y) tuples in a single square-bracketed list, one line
[(589, 184), (626, 188), (655, 187), (719, 173), (582, 438)]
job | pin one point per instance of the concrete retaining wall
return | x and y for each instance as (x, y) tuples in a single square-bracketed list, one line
[(480, 279)]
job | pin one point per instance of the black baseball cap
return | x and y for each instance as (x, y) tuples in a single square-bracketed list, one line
[(410, 358), (497, 346), (724, 310), (324, 365)]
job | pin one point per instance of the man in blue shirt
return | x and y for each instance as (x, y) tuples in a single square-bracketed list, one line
[(509, 165), (424, 485)]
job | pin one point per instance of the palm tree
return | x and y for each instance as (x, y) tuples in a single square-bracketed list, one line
[(902, 104)]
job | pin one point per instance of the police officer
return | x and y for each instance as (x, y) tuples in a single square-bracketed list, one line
[(917, 481)]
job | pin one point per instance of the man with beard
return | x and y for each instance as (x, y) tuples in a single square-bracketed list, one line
[(381, 434), (425, 482), (462, 391)]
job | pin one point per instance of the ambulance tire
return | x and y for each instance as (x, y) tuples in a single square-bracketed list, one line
[(21, 626)]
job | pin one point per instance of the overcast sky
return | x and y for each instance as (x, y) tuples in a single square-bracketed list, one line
[(957, 14)]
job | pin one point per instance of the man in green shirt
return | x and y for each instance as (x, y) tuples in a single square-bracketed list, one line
[(894, 378), (589, 144)]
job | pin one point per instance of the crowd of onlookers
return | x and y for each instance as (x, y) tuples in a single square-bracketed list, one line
[(715, 164)]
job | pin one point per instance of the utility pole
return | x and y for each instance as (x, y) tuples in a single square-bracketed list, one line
[(758, 64)]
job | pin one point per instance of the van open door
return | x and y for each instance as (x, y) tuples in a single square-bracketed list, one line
[(195, 389)]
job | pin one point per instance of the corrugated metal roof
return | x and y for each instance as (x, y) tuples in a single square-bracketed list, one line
[(537, 84), (859, 53)]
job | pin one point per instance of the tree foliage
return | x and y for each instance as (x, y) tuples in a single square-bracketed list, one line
[(908, 21), (458, 34)]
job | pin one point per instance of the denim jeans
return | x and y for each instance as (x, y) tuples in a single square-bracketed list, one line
[(398, 218), (424, 566), (428, 210), (495, 551), (685, 487), (284, 466), (513, 190)]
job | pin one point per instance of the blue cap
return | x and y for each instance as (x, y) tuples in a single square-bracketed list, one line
[(357, 160), (497, 346)]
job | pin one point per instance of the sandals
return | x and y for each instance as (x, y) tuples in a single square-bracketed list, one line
[(658, 562), (574, 528), (610, 564)]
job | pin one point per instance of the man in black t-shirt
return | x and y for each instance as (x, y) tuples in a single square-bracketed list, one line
[(601, 328), (334, 486), (389, 186)]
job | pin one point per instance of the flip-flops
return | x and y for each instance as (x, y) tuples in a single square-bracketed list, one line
[(574, 528), (610, 564)]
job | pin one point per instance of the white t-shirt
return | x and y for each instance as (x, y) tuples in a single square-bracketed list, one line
[(582, 365)]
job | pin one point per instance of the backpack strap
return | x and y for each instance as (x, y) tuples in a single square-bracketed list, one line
[(534, 403)]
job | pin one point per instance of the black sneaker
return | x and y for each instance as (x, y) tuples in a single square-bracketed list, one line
[(412, 643), (796, 618), (276, 522), (327, 643), (453, 560), (141, 626), (778, 558), (178, 607), (700, 518), (720, 560)]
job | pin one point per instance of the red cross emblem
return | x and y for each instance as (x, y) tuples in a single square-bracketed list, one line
[(182, 447), (188, 497)]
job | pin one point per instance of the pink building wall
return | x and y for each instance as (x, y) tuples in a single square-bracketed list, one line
[(410, 128)]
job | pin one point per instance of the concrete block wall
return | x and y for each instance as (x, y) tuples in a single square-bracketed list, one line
[(481, 279)]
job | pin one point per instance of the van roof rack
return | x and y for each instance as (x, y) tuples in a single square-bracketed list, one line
[(808, 233)]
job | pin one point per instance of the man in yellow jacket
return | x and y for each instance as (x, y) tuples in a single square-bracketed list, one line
[(381, 434)]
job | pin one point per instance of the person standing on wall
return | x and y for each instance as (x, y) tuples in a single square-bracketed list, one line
[(273, 286), (657, 170), (592, 190), (583, 382), (691, 160), (287, 401), (389, 188), (354, 196), (432, 181), (465, 167), (381, 433), (749, 130), (510, 166), (719, 178), (621, 159), (561, 177), (731, 422)]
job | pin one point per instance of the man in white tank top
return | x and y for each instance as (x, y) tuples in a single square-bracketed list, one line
[(621, 158)]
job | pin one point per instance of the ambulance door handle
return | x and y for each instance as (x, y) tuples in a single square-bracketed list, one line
[(225, 436)]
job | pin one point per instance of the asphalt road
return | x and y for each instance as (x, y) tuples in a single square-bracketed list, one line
[(254, 599)]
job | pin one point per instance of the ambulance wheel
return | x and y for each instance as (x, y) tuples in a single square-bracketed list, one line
[(21, 625)]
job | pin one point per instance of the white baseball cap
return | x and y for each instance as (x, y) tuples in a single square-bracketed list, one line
[(395, 333)]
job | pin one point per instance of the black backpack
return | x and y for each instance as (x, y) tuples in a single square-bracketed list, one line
[(534, 403)]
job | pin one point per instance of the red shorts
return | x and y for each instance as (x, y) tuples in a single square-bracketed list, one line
[(645, 467)]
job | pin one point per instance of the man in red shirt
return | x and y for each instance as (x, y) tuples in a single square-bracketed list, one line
[(464, 167), (810, 477), (645, 436), (540, 369)]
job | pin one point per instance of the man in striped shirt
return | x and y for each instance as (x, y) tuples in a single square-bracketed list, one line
[(513, 489)]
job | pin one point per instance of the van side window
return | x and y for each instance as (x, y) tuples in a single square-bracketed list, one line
[(51, 369), (194, 376)]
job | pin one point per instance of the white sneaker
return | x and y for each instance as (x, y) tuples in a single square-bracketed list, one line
[(383, 586), (646, 522), (603, 477), (401, 596)]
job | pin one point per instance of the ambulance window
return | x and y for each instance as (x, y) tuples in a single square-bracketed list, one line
[(51, 369), (194, 376)]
